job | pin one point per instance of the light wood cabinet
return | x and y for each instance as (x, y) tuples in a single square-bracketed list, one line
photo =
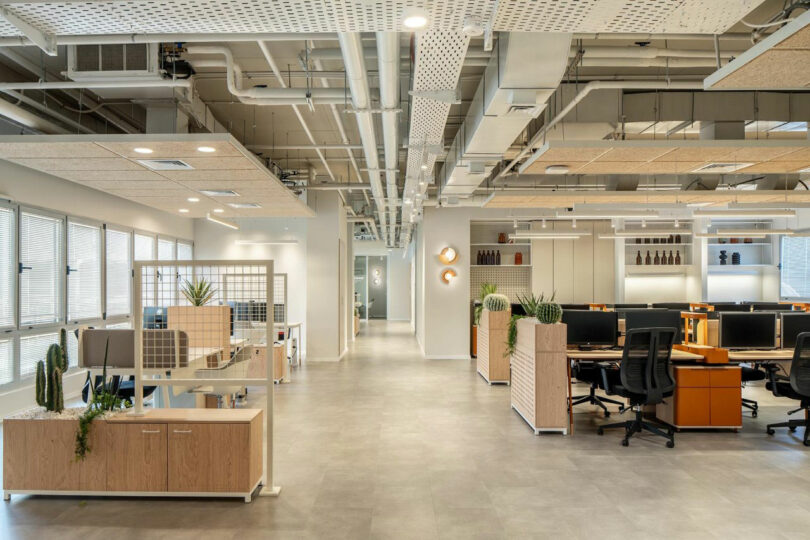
[(492, 360), (258, 358), (208, 457), (136, 457)]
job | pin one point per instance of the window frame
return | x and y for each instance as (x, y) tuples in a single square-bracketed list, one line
[(102, 262), (61, 268), (131, 232), (15, 264)]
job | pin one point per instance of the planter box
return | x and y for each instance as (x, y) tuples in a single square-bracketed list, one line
[(207, 328), (493, 363), (540, 376)]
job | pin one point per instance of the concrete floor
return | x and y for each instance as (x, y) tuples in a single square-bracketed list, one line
[(388, 445)]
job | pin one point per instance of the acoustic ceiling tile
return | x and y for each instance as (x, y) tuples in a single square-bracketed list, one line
[(668, 167), (79, 164), (776, 167), (52, 150), (634, 154), (219, 163), (118, 176), (698, 153), (223, 175), (172, 149)]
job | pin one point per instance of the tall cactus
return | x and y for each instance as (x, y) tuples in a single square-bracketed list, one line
[(63, 364), (49, 380)]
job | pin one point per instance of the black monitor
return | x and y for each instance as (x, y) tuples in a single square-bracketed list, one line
[(792, 325), (154, 318), (629, 306), (517, 309), (680, 306), (591, 328), (654, 318), (771, 306), (747, 330), (722, 308), (579, 307)]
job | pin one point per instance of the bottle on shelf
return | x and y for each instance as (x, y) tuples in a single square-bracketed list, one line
[(671, 259), (646, 240), (648, 259), (518, 258), (478, 258), (498, 258), (657, 259), (677, 238), (489, 257), (671, 239), (638, 258), (678, 257)]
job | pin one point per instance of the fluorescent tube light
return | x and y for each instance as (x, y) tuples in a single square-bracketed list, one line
[(265, 243), (735, 213), (607, 214), (646, 233), (561, 235), (223, 222), (750, 232), (758, 236)]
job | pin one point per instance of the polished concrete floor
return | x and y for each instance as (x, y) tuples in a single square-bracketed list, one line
[(388, 445)]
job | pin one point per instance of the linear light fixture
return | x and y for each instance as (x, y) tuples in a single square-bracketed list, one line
[(749, 232), (265, 242), (736, 213), (223, 222), (607, 214), (646, 233), (560, 235), (757, 236)]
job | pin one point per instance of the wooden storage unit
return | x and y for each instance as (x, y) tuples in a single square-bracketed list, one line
[(493, 363), (258, 357), (166, 452), (705, 397), (540, 383), (207, 327)]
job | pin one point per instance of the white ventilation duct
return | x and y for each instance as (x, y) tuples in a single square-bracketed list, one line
[(523, 72), (388, 65)]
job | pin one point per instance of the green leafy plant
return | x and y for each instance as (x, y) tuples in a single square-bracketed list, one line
[(199, 292), (48, 387), (496, 302), (511, 334), (102, 401), (485, 290), (530, 303)]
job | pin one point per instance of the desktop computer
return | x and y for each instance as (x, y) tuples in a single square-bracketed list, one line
[(679, 306), (747, 330), (654, 318), (719, 307), (771, 306), (793, 324), (591, 328)]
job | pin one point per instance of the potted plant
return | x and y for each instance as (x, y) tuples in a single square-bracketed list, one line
[(483, 291), (492, 363), (208, 326)]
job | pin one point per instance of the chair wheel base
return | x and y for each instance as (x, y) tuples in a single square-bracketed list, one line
[(792, 429), (806, 443), (753, 414), (770, 431), (607, 414), (625, 442), (600, 431), (670, 444)]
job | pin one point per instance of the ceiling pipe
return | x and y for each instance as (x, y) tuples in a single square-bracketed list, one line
[(305, 147), (28, 119), (388, 66), (662, 62), (739, 36), (602, 51), (120, 83), (587, 89), (352, 47), (120, 39), (52, 113)]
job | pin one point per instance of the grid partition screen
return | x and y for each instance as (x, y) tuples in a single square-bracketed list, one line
[(84, 271), (41, 269), (8, 274)]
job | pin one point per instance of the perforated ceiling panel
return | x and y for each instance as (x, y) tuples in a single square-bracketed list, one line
[(218, 16)]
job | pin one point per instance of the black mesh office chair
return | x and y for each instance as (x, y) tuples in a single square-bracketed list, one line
[(750, 374), (592, 373), (643, 378), (796, 386)]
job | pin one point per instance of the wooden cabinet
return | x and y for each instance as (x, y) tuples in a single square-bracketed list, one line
[(258, 358), (492, 360), (705, 397), (208, 457), (136, 457)]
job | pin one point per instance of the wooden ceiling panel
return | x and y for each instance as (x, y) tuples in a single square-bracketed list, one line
[(139, 175), (698, 153), (634, 154), (235, 174), (53, 150), (169, 149), (79, 164), (561, 155)]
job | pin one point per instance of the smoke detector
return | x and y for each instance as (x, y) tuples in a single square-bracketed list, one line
[(473, 27)]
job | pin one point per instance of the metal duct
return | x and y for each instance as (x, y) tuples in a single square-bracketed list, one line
[(388, 66), (523, 72)]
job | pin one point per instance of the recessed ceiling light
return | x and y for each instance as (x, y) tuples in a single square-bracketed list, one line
[(424, 167), (183, 210), (219, 192), (414, 17), (218, 210), (142, 150), (557, 169), (193, 199), (245, 205), (206, 149)]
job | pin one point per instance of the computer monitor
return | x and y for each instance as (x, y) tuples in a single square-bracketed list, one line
[(747, 330), (722, 308), (680, 306), (517, 309), (654, 318), (591, 328), (154, 318), (579, 307), (771, 306), (793, 324), (629, 306)]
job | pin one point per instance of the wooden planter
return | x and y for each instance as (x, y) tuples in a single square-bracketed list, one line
[(493, 363), (474, 341), (540, 376), (167, 452), (208, 329)]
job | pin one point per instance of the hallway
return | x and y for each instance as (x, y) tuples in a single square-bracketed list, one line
[(386, 444)]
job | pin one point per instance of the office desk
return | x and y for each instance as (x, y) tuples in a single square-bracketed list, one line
[(616, 354), (775, 355)]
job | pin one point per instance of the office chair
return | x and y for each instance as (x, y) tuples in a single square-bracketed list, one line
[(750, 374), (796, 386), (644, 378), (592, 374)]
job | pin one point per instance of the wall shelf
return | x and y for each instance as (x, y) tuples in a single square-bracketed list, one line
[(522, 245), (653, 269), (500, 266)]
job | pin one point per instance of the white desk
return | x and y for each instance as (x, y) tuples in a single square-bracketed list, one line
[(295, 358), (774, 355), (616, 354)]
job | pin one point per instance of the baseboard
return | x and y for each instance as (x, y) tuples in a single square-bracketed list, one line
[(399, 320), (448, 357)]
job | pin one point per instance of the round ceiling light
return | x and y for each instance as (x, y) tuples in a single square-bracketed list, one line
[(448, 275), (193, 199), (183, 210), (206, 149), (448, 255), (142, 150), (218, 210), (472, 27), (557, 169), (414, 17)]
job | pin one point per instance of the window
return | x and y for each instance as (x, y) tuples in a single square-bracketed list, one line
[(84, 271), (8, 274), (6, 361), (32, 350), (165, 250), (41, 269), (795, 267), (119, 273), (144, 247), (185, 252), (118, 326)]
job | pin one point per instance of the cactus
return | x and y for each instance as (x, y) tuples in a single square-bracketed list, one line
[(549, 312), (63, 363), (496, 302), (49, 380)]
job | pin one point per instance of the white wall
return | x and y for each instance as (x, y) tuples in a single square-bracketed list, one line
[(216, 242), (398, 277)]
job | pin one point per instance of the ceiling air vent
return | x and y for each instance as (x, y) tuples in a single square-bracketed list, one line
[(219, 192), (722, 167), (165, 164), (244, 205)]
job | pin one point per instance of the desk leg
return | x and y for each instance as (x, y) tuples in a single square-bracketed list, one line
[(570, 401)]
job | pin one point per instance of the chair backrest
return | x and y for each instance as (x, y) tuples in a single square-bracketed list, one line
[(645, 363), (159, 349), (800, 367)]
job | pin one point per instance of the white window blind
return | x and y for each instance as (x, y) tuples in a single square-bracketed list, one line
[(41, 269), (6, 361), (120, 325), (795, 267), (8, 274), (32, 350), (84, 271), (165, 250), (119, 273), (185, 252), (144, 247)]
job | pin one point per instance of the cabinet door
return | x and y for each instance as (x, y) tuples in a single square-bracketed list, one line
[(692, 406), (136, 457), (206, 458), (726, 407)]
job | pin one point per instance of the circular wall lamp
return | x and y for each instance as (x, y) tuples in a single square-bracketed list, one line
[(448, 255), (448, 274)]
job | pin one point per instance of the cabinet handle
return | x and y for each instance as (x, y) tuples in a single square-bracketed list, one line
[(182, 431), (150, 431)]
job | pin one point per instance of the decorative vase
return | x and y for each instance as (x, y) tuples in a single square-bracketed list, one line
[(735, 241), (735, 258), (501, 238), (518, 258), (723, 256)]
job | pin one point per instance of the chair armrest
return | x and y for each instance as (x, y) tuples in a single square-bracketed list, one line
[(774, 377), (603, 369)]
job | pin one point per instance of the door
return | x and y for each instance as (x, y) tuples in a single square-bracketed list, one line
[(136, 457), (206, 458)]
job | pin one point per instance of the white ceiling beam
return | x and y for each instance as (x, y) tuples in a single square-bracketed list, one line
[(43, 40)]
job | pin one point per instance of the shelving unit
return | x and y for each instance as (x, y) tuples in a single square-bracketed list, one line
[(683, 249), (510, 278)]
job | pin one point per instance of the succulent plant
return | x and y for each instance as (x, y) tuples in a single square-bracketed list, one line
[(496, 302), (549, 312), (49, 380), (199, 292)]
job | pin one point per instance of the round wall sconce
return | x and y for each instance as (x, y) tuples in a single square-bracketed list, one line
[(448, 274), (448, 255)]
